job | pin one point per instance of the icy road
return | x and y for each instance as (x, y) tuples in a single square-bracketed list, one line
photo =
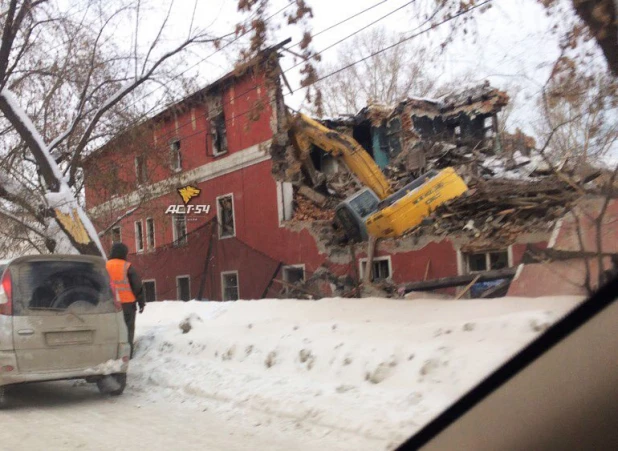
[(336, 374)]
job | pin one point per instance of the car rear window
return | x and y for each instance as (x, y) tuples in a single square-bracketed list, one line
[(61, 285)]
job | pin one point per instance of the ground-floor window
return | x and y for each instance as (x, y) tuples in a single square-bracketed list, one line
[(183, 288), (229, 286), (293, 273), (150, 290), (486, 260), (381, 268)]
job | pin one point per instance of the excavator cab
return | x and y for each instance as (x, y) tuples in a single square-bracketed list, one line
[(352, 213)]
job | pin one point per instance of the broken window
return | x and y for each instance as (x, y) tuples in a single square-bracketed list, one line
[(150, 233), (229, 286), (219, 134), (179, 224), (150, 291), (381, 268), (175, 156), (225, 213), (487, 261), (116, 235), (183, 288), (141, 172), (139, 236), (293, 274)]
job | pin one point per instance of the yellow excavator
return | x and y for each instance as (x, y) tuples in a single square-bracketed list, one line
[(376, 210)]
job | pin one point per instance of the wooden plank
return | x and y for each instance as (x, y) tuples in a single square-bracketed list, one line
[(371, 247), (427, 269), (447, 282), (294, 287), (465, 290), (270, 283)]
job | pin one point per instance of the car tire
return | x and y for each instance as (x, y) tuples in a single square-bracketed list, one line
[(113, 387)]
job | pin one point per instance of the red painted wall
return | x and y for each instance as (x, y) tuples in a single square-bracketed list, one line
[(260, 243)]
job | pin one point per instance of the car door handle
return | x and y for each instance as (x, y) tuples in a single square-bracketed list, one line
[(25, 332)]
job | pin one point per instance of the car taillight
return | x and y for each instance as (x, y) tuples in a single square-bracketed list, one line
[(6, 294)]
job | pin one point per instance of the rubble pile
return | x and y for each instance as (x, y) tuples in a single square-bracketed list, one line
[(306, 210), (500, 210)]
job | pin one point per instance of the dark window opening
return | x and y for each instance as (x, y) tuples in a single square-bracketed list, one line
[(293, 274), (362, 135), (150, 233), (487, 261), (116, 235), (183, 288), (150, 291), (141, 170), (175, 156), (139, 237), (230, 286), (219, 134), (225, 211), (56, 286), (380, 269)]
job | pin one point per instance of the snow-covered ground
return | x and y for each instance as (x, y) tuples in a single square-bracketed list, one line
[(366, 372)]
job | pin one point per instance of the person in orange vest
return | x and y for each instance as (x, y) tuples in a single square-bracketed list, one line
[(127, 284)]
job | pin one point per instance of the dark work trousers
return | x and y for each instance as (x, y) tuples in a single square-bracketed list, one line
[(130, 310)]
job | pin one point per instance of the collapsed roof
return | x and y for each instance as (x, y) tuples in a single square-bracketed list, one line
[(510, 184)]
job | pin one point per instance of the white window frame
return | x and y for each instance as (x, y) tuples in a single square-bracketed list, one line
[(361, 269), (154, 281), (119, 234), (182, 276), (175, 233), (213, 131), (285, 202), (137, 170), (225, 273), (154, 236), (139, 249), (178, 152), (219, 219), (462, 261)]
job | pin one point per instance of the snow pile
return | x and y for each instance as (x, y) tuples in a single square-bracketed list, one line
[(378, 368)]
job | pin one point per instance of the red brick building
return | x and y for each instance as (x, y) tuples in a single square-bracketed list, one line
[(219, 140)]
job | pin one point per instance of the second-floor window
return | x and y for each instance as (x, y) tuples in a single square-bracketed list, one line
[(150, 233), (219, 134), (141, 171), (139, 236), (175, 155)]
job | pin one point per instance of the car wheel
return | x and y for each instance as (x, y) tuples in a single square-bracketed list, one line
[(112, 385)]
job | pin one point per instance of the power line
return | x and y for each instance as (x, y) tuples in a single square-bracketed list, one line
[(253, 109), (164, 107), (291, 68)]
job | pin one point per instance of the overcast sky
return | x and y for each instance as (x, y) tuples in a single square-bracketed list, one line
[(512, 46)]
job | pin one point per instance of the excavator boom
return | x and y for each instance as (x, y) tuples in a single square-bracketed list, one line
[(307, 132)]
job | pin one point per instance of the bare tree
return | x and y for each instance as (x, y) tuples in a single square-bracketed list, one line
[(66, 94), (386, 77)]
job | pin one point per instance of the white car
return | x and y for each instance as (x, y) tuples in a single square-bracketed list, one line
[(60, 320)]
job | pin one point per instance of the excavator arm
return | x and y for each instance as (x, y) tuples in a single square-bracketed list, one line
[(306, 132)]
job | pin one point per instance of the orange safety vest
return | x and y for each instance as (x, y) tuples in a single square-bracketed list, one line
[(119, 276)]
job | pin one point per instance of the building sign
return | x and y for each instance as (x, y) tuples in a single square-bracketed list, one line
[(188, 193)]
